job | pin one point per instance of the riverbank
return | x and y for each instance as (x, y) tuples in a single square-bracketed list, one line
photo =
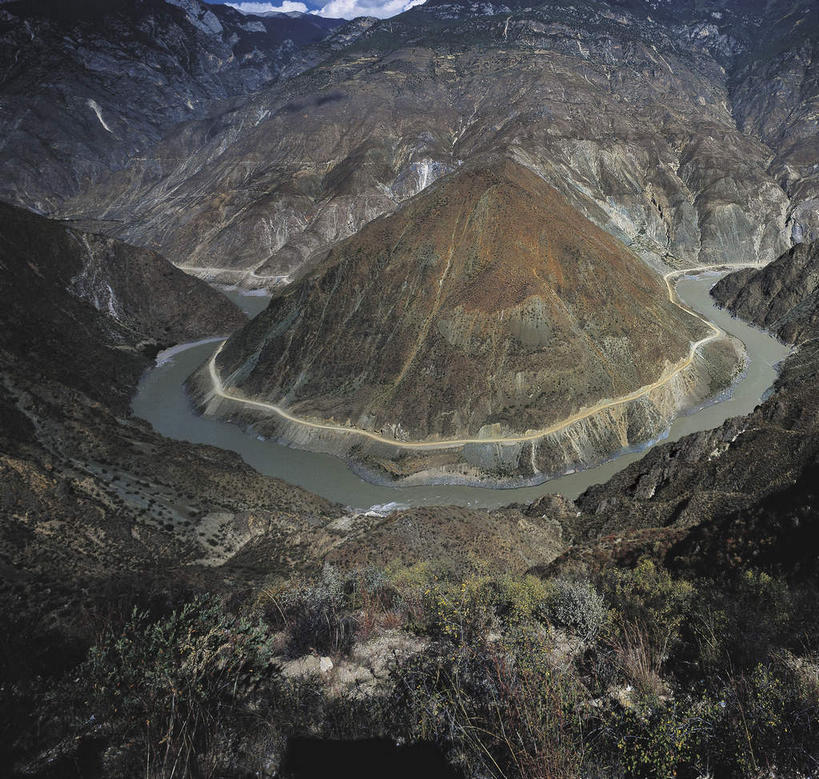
[(162, 401)]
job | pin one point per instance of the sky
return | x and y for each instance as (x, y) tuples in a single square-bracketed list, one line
[(341, 9)]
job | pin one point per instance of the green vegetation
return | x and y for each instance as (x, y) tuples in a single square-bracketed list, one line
[(622, 672)]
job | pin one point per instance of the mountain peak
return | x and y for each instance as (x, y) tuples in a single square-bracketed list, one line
[(485, 299)]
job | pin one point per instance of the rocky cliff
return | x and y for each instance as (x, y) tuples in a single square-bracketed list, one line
[(655, 121), (782, 297), (66, 292)]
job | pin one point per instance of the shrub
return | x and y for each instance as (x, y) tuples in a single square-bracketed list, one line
[(371, 589), (737, 625), (652, 740), (500, 707), (520, 599), (376, 601), (768, 719), (649, 596), (460, 612), (167, 688), (316, 616), (577, 606), (649, 608), (411, 583)]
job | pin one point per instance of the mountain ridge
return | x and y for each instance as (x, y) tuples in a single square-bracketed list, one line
[(632, 119)]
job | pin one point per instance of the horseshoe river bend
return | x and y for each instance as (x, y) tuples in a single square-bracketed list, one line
[(162, 401)]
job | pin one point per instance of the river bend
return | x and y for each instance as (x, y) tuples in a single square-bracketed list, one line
[(162, 401)]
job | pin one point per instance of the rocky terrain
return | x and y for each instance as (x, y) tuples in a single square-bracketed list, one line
[(87, 86), (751, 477), (165, 610), (85, 310), (100, 514), (90, 492), (782, 297), (665, 126), (244, 146)]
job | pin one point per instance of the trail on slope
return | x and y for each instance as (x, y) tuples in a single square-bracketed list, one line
[(220, 390)]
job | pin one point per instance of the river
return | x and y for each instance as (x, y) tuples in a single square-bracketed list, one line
[(161, 400)]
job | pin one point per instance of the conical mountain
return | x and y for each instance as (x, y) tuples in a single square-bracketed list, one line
[(486, 299)]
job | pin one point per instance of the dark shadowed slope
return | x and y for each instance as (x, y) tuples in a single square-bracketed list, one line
[(53, 282), (782, 297)]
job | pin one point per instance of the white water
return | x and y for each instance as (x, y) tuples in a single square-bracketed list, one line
[(161, 400)]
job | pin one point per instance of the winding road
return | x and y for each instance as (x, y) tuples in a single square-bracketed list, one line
[(209, 271), (220, 390)]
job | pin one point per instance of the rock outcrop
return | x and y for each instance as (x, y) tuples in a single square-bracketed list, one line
[(66, 292), (782, 297)]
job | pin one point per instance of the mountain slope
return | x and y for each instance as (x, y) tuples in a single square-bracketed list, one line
[(93, 502), (743, 491), (86, 85), (65, 292), (485, 301), (782, 297), (643, 118)]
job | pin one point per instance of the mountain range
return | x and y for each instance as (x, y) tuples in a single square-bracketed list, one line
[(687, 130)]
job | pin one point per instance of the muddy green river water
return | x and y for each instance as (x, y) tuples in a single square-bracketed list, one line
[(161, 400)]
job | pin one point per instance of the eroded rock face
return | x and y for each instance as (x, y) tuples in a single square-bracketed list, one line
[(486, 301), (785, 118), (647, 117), (782, 297), (85, 86)]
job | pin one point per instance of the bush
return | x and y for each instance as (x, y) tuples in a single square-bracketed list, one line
[(577, 606), (502, 708), (649, 608), (737, 625), (460, 612), (650, 740), (520, 600), (371, 587), (316, 616), (374, 600), (166, 689), (768, 720)]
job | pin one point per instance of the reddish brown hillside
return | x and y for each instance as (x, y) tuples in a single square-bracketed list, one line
[(486, 299)]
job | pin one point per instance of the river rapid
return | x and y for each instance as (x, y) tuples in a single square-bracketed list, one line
[(162, 401)]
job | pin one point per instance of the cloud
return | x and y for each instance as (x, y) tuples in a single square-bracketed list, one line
[(265, 8), (337, 9), (349, 9)]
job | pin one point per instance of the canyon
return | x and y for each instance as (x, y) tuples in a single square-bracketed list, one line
[(466, 226)]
